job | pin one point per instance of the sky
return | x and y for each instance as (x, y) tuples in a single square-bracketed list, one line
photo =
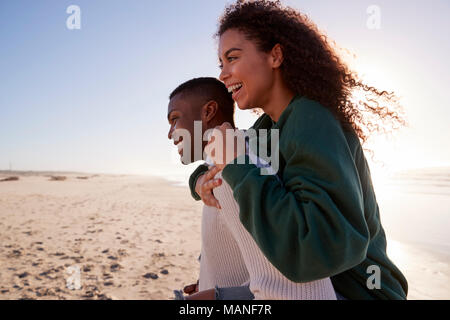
[(95, 99)]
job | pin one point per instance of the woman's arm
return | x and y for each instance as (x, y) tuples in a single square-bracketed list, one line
[(312, 226), (201, 169), (265, 281)]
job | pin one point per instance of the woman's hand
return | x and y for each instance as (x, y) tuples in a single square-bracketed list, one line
[(204, 186), (220, 149)]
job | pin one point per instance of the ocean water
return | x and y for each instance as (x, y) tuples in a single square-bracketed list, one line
[(415, 207), (415, 213)]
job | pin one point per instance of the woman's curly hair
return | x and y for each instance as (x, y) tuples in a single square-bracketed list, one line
[(311, 67)]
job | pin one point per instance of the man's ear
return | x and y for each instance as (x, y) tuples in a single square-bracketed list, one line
[(277, 56), (209, 111)]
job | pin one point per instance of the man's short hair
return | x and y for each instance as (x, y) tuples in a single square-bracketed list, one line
[(207, 89)]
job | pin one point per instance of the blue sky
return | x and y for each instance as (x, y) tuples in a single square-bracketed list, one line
[(95, 99)]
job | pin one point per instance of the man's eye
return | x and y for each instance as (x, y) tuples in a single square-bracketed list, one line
[(231, 58)]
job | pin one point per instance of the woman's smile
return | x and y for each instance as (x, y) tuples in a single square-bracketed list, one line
[(236, 91)]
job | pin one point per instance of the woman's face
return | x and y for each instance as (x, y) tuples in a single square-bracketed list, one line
[(246, 70)]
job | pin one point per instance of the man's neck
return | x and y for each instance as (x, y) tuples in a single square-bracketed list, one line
[(218, 122)]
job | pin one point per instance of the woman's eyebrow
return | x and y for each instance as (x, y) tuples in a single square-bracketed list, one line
[(231, 50)]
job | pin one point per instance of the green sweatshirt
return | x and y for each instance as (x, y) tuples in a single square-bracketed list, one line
[(322, 219)]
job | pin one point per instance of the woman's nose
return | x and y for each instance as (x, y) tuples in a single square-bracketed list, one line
[(224, 74)]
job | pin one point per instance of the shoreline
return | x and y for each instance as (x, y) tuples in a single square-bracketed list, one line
[(426, 270)]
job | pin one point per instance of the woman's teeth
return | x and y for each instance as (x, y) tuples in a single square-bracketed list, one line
[(234, 88)]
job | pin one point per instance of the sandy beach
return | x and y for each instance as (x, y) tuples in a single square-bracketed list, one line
[(130, 237)]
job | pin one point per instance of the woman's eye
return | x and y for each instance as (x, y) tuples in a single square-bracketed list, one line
[(229, 59)]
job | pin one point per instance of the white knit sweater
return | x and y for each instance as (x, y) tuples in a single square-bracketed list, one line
[(221, 262), (231, 257)]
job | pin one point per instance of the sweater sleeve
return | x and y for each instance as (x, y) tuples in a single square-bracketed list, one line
[(201, 169), (310, 225)]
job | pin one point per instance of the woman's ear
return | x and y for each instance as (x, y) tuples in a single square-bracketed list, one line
[(209, 111), (277, 56)]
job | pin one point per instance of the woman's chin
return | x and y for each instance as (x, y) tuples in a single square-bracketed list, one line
[(243, 105)]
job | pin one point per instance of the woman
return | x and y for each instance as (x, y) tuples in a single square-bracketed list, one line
[(319, 216)]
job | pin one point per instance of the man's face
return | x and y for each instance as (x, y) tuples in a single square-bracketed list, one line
[(181, 114)]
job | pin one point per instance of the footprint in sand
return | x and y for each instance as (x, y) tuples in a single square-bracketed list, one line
[(115, 267)]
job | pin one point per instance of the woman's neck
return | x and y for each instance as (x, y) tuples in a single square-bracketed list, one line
[(279, 99)]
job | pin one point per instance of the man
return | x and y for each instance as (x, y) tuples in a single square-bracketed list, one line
[(207, 101)]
